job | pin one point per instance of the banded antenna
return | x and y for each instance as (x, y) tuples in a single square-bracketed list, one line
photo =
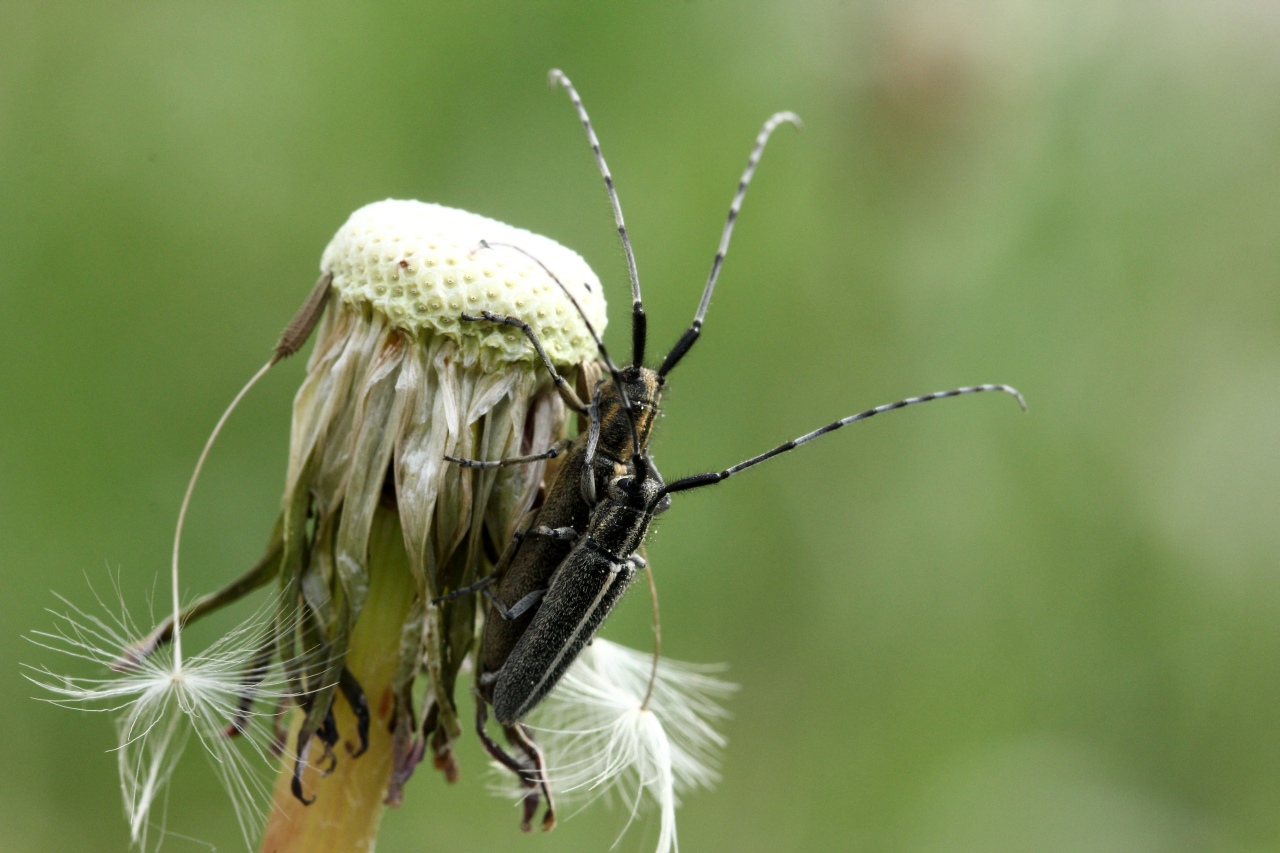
[(691, 334), (713, 477), (638, 322), (614, 373)]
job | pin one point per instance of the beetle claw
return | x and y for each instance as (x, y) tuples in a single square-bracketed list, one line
[(355, 697), (299, 764)]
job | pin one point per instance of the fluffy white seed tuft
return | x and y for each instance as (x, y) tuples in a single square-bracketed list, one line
[(600, 737), (161, 704)]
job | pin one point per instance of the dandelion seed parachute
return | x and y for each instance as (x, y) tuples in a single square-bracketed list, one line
[(162, 703), (605, 735)]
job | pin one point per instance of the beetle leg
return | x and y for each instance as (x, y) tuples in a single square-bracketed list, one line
[(466, 590), (593, 440), (501, 756), (566, 393), (355, 697), (566, 534), (519, 608), (519, 735), (551, 453)]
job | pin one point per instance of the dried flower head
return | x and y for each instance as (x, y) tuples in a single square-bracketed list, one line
[(396, 383), (374, 522)]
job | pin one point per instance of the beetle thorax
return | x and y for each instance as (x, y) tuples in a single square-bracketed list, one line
[(644, 389)]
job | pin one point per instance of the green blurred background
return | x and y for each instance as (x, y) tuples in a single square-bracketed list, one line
[(957, 628)]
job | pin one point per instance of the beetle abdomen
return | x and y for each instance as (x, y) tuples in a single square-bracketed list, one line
[(582, 594)]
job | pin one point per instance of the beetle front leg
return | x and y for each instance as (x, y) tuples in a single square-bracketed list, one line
[(483, 583), (562, 386), (551, 453)]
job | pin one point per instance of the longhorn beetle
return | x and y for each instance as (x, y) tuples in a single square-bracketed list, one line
[(548, 600)]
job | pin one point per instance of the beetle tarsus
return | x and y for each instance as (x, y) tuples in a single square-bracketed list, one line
[(564, 534), (354, 694)]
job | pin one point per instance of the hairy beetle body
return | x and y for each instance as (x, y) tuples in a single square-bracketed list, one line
[(582, 591)]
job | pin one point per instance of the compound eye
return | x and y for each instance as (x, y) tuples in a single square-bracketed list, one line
[(621, 487)]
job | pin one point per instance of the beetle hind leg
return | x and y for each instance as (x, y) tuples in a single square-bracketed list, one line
[(532, 778), (517, 734)]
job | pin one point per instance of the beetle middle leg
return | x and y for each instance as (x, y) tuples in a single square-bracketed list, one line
[(515, 611), (519, 608)]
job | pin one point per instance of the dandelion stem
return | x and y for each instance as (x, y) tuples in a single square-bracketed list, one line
[(657, 639), (186, 501), (349, 801)]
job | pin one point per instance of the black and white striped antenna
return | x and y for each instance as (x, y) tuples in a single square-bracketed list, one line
[(691, 334), (638, 321), (713, 477)]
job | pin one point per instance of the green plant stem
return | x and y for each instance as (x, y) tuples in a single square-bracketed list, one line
[(349, 801)]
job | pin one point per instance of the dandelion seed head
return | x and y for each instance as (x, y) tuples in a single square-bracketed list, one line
[(447, 241), (601, 739)]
